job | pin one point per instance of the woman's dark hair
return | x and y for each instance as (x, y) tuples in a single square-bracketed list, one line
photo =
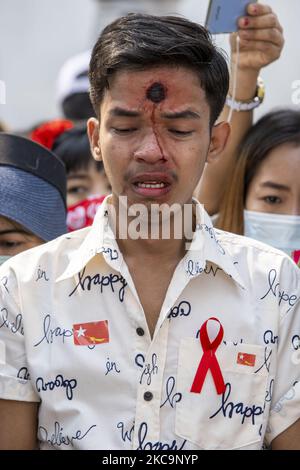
[(140, 42), (73, 148), (278, 127)]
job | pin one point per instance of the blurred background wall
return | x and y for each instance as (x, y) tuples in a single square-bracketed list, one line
[(37, 36)]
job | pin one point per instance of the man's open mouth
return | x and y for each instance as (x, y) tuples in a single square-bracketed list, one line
[(151, 185)]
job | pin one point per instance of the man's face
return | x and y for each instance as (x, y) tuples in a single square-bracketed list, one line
[(154, 135)]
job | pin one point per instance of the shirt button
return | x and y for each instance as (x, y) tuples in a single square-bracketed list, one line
[(140, 331), (148, 396)]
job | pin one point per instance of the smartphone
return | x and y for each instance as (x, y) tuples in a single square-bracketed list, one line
[(222, 15)]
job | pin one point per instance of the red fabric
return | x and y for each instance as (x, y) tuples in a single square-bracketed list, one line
[(209, 360), (296, 256), (246, 359), (48, 132), (91, 333), (82, 214)]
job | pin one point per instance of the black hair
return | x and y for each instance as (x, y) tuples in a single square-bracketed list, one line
[(78, 106), (73, 148), (140, 42), (275, 128)]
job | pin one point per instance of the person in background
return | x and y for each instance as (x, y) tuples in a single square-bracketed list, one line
[(261, 43), (86, 178), (87, 184), (262, 199), (82, 214), (73, 88), (32, 195), (2, 127), (46, 132)]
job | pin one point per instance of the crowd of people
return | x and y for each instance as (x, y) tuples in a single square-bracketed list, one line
[(97, 321)]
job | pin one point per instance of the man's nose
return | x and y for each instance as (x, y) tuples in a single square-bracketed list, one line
[(150, 149)]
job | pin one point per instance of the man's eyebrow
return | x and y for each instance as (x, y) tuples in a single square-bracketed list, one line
[(122, 112), (187, 114), (271, 184)]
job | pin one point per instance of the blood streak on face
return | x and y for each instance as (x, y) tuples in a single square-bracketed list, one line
[(156, 93)]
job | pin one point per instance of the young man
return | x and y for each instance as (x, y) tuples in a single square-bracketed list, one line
[(122, 337)]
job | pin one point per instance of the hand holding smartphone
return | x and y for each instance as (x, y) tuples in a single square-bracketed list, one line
[(222, 15)]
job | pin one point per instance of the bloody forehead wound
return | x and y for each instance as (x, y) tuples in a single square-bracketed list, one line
[(156, 92)]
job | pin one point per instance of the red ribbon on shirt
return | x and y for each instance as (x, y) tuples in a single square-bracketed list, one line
[(209, 360), (296, 256)]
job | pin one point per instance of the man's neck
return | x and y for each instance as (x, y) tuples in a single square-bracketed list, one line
[(163, 241), (158, 250)]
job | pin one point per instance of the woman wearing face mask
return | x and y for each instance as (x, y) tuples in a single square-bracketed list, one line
[(262, 200), (32, 195)]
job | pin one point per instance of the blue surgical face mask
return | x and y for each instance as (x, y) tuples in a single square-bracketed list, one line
[(280, 231), (3, 259)]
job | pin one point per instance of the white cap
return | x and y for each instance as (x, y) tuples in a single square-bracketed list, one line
[(73, 76)]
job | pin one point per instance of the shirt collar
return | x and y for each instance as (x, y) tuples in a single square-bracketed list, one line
[(99, 240), (207, 246), (204, 247)]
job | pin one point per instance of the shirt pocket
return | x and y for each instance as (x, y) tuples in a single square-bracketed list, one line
[(231, 420)]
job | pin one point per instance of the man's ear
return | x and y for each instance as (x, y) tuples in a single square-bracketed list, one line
[(219, 137), (93, 133)]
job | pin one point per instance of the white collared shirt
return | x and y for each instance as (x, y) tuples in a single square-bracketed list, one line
[(74, 337)]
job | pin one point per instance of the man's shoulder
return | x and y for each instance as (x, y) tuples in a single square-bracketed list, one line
[(263, 267), (255, 254)]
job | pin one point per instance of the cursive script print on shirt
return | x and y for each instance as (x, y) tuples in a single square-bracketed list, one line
[(41, 275), (144, 444), (111, 367), (274, 289), (171, 396), (86, 283), (228, 408), (150, 369), (15, 325), (53, 333), (270, 337), (23, 374), (126, 434), (113, 254), (58, 382), (183, 309), (4, 283), (59, 438)]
